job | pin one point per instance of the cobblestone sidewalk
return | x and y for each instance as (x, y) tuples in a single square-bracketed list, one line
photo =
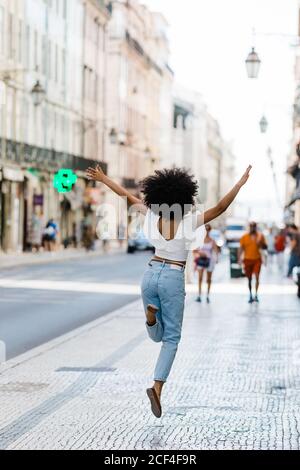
[(235, 383)]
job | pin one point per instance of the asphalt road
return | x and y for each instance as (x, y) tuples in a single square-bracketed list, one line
[(31, 317)]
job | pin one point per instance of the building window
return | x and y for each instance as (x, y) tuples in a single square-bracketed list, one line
[(49, 71), (63, 68), (28, 48), (56, 63), (45, 125), (65, 12), (25, 124), (10, 36), (44, 55)]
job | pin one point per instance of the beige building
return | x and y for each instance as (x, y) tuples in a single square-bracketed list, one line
[(52, 111), (139, 103)]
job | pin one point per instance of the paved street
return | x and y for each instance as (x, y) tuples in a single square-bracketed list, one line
[(47, 300), (235, 383)]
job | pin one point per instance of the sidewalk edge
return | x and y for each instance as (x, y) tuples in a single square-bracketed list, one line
[(59, 260)]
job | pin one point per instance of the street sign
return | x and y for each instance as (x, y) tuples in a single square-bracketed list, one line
[(38, 200)]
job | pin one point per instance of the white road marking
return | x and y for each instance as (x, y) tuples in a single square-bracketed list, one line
[(131, 289)]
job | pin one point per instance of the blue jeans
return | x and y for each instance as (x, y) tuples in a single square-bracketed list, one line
[(163, 285)]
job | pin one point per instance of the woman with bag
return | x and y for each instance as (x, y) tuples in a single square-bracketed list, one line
[(206, 259)]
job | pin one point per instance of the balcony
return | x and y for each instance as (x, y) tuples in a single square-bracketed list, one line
[(25, 155), (105, 5)]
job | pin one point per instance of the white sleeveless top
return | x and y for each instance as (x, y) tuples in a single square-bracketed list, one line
[(188, 236)]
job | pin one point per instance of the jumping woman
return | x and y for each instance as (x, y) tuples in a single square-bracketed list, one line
[(170, 224)]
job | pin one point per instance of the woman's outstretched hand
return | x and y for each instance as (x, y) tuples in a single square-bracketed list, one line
[(222, 206), (245, 177), (95, 174)]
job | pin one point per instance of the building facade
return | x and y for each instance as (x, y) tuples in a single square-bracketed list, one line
[(139, 100), (43, 46)]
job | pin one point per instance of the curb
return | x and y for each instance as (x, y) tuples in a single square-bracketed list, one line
[(70, 256)]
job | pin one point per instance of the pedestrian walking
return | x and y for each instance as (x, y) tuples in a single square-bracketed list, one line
[(50, 235), (250, 255), (206, 258), (170, 224), (88, 235)]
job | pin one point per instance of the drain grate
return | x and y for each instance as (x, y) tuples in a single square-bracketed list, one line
[(86, 369)]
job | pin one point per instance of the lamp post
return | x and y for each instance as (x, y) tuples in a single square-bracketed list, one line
[(263, 124), (253, 63), (147, 153), (38, 93), (113, 136)]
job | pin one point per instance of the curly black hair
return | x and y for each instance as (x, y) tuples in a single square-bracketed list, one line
[(170, 187)]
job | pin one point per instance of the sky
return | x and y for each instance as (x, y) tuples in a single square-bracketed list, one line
[(209, 41)]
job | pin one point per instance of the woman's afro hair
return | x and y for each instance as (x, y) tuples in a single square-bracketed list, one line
[(170, 186)]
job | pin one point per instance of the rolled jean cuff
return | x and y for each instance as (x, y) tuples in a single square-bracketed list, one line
[(151, 326), (160, 380)]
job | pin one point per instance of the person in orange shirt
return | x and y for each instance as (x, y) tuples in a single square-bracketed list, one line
[(251, 245)]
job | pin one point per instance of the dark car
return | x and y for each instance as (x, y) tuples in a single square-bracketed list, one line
[(139, 242)]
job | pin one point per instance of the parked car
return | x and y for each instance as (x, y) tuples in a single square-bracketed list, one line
[(139, 242), (234, 230)]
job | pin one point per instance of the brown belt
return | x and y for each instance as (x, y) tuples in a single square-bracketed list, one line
[(166, 261)]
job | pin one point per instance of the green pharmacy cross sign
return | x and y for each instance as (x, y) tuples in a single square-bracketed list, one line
[(64, 180)]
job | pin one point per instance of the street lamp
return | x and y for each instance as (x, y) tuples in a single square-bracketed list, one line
[(263, 124), (38, 94), (113, 136), (253, 64)]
